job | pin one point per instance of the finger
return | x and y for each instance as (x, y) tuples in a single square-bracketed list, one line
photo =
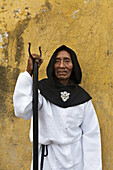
[(36, 56), (39, 60)]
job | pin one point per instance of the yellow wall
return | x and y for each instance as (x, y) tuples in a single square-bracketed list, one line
[(87, 27)]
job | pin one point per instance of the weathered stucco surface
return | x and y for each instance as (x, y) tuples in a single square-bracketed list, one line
[(87, 27)]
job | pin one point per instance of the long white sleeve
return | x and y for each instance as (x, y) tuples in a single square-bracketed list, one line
[(91, 140), (23, 96)]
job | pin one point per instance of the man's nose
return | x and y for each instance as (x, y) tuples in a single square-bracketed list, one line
[(62, 64)]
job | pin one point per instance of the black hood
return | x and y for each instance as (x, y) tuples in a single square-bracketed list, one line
[(55, 92), (76, 75)]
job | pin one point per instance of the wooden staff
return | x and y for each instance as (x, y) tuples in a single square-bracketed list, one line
[(35, 110)]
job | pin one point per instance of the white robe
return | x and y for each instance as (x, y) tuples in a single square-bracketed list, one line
[(72, 134)]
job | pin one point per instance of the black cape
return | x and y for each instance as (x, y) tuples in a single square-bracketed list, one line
[(64, 96)]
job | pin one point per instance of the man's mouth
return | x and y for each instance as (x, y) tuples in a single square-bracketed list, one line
[(62, 72)]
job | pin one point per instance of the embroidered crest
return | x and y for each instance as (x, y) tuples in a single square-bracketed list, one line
[(65, 96)]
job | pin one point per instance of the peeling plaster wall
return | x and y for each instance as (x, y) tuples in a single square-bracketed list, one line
[(87, 27)]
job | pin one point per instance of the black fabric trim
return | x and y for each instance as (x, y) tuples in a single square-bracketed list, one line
[(52, 93)]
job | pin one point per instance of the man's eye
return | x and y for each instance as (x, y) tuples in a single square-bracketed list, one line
[(57, 61), (67, 60)]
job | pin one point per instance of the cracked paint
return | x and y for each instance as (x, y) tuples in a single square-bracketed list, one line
[(43, 10), (75, 12), (86, 1), (1, 38), (6, 35)]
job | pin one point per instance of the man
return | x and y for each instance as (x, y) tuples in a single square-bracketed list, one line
[(68, 124)]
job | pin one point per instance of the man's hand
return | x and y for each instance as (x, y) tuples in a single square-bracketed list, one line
[(37, 58)]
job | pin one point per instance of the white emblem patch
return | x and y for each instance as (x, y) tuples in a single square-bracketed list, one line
[(65, 96)]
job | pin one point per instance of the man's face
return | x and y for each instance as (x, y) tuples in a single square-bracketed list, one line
[(63, 65)]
